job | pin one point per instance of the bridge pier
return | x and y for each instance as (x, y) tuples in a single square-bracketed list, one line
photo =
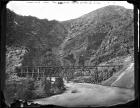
[(32, 72), (27, 73), (37, 73)]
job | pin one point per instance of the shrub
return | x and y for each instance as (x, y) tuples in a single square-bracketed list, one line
[(58, 86), (23, 89), (59, 83), (40, 89), (47, 87)]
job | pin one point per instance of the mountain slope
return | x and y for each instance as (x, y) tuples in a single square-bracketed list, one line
[(37, 36), (94, 38), (98, 33)]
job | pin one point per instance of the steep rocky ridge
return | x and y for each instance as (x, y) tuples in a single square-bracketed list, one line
[(98, 34)]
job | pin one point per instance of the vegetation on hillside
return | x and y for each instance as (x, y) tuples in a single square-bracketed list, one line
[(109, 31)]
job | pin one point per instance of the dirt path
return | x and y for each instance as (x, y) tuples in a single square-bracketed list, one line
[(89, 94)]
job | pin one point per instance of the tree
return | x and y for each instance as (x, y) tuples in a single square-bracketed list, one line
[(50, 58), (59, 83), (81, 60)]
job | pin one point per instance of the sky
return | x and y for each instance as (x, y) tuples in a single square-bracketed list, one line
[(52, 10)]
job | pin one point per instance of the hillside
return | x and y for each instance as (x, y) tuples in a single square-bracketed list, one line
[(99, 35), (35, 35), (95, 37)]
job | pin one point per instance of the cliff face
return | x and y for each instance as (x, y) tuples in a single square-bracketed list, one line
[(94, 38)]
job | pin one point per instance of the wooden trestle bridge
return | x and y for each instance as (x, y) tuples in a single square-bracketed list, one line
[(99, 73)]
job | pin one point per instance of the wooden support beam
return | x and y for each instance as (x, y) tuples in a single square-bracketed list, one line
[(27, 71), (43, 73), (21, 72), (37, 73), (32, 72)]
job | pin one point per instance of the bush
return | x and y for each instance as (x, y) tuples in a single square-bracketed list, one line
[(59, 83), (58, 86), (28, 89), (42, 89), (47, 87), (23, 89), (9, 92)]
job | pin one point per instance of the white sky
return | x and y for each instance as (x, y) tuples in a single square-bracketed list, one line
[(61, 12)]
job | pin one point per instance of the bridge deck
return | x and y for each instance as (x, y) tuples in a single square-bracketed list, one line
[(73, 67), (66, 71)]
